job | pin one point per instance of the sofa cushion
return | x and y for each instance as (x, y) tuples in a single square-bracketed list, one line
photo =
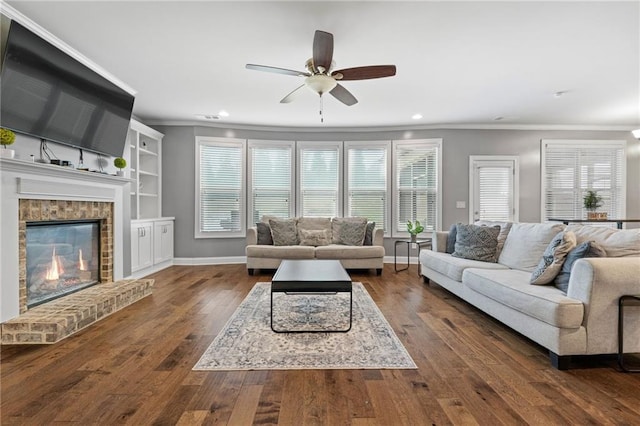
[(525, 244), (586, 249), (452, 267), (511, 288), (616, 242), (505, 227), (281, 252), (553, 258), (475, 242), (339, 251), (348, 230), (314, 237), (451, 239), (313, 224), (263, 232), (368, 234), (284, 232)]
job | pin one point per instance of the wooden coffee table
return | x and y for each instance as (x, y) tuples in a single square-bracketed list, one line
[(324, 277)]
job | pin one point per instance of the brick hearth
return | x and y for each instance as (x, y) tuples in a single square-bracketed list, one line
[(62, 317)]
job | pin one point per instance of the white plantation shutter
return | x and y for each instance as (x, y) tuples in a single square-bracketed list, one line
[(416, 173), (271, 180), (570, 168), (319, 166), (220, 188), (367, 192)]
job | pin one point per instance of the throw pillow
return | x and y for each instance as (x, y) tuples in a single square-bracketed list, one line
[(476, 242), (313, 224), (505, 227), (586, 249), (264, 234), (553, 258), (314, 237), (368, 234), (348, 230), (451, 239), (283, 232)]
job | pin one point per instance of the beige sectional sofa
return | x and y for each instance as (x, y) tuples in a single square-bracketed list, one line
[(582, 321), (317, 238)]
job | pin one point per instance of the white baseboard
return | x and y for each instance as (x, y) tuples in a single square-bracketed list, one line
[(151, 270), (209, 260)]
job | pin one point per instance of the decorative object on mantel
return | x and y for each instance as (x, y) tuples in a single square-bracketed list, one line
[(120, 163), (414, 228), (592, 201), (7, 137)]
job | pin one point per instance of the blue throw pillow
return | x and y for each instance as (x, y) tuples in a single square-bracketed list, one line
[(451, 239), (581, 251)]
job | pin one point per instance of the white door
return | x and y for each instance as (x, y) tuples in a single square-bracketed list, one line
[(493, 188)]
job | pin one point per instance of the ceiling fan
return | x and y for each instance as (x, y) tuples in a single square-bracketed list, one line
[(320, 76)]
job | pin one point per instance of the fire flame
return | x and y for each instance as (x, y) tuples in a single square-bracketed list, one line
[(55, 270), (82, 264)]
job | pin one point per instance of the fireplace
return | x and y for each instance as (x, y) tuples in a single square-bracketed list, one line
[(62, 257)]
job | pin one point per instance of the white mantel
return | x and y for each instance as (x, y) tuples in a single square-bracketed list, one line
[(26, 180)]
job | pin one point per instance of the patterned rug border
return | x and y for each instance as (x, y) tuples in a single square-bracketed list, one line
[(402, 359)]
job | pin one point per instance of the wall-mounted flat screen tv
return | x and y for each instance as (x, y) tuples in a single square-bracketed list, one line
[(48, 94)]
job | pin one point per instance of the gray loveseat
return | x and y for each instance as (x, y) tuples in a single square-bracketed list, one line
[(317, 238), (582, 321)]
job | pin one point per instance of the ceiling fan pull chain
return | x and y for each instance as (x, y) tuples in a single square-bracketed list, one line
[(321, 106)]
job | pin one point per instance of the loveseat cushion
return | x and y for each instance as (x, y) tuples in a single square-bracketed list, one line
[(280, 252), (526, 243), (511, 288), (452, 267), (337, 251)]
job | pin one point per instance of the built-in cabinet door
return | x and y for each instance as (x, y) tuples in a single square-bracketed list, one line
[(163, 236), (141, 246)]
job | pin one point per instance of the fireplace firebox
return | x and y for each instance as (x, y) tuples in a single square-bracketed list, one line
[(61, 257)]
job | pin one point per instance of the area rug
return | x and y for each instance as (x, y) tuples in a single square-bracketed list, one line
[(247, 342)]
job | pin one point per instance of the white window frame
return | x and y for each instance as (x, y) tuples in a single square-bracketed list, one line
[(213, 141), (389, 178), (577, 144), (255, 143), (498, 159), (302, 145), (434, 142)]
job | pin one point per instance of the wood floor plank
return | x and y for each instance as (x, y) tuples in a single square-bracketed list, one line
[(134, 367)]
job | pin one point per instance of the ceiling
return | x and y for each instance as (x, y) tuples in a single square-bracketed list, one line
[(459, 64)]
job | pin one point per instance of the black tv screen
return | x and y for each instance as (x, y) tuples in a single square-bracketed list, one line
[(48, 94)]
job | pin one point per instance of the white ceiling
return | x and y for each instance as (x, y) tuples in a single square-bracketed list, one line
[(459, 63)]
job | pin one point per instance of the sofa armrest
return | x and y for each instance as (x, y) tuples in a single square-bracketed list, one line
[(439, 241), (378, 237), (599, 283), (252, 236)]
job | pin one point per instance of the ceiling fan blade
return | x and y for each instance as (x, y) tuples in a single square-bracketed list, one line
[(322, 50), (291, 96), (365, 73), (343, 95), (277, 70)]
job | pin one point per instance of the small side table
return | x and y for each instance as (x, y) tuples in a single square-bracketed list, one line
[(626, 300), (419, 243)]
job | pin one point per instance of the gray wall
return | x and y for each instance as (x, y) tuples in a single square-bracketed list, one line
[(178, 165)]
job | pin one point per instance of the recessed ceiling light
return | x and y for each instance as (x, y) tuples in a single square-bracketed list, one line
[(498, 118), (223, 113), (559, 93), (416, 116)]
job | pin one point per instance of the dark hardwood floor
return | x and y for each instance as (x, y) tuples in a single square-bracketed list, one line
[(135, 368)]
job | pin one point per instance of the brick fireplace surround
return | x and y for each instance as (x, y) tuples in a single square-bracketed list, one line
[(37, 192)]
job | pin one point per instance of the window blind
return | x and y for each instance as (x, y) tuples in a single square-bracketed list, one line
[(271, 182), (319, 181), (416, 185), (367, 184), (570, 169), (495, 189), (220, 189)]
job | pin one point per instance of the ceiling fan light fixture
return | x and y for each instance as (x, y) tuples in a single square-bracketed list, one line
[(636, 133), (320, 83)]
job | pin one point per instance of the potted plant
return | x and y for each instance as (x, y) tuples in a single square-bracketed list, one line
[(120, 163), (7, 137), (414, 228), (592, 201)]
